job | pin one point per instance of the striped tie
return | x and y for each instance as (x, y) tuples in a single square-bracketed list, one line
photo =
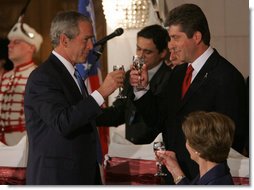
[(80, 83)]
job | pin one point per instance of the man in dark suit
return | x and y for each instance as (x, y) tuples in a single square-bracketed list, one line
[(216, 85), (60, 115), (151, 44)]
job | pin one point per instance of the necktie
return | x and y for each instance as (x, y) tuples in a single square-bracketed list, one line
[(187, 80), (80, 82), (85, 93)]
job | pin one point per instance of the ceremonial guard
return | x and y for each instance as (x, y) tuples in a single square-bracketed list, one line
[(24, 43)]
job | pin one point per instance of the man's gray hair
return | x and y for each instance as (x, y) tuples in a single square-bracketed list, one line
[(66, 22)]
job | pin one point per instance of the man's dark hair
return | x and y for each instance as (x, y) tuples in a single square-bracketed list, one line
[(158, 34), (191, 19)]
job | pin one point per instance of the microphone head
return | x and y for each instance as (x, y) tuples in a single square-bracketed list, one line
[(118, 31)]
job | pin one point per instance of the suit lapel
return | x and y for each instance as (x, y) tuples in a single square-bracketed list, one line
[(200, 79), (196, 83), (160, 78), (173, 93), (70, 87)]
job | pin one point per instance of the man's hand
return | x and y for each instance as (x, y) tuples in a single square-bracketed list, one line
[(112, 81), (137, 78)]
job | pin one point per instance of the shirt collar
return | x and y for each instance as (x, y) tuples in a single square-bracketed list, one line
[(66, 63), (24, 66), (200, 61)]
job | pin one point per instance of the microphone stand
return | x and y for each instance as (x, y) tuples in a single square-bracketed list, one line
[(98, 51)]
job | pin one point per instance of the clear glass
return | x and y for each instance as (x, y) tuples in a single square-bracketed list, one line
[(120, 94), (138, 63), (159, 146)]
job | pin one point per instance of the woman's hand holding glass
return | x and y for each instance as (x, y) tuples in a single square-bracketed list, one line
[(159, 146), (168, 158)]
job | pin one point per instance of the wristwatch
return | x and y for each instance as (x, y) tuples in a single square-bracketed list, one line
[(178, 179)]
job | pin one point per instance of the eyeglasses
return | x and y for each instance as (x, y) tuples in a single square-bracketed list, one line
[(17, 42)]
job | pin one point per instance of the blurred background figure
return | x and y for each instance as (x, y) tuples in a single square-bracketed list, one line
[(24, 43), (172, 59), (5, 62), (209, 136)]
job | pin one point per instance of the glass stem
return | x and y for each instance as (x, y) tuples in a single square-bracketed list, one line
[(120, 90), (159, 167)]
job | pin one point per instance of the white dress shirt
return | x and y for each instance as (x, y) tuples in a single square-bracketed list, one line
[(95, 94), (200, 61), (197, 65)]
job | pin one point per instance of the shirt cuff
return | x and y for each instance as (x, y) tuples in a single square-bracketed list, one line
[(139, 93), (98, 97)]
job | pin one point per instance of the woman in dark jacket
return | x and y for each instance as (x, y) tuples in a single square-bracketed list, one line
[(209, 136)]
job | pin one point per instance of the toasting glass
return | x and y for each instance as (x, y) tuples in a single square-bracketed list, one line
[(138, 62), (159, 146), (120, 94)]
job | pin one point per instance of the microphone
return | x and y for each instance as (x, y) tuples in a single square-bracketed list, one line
[(117, 32)]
